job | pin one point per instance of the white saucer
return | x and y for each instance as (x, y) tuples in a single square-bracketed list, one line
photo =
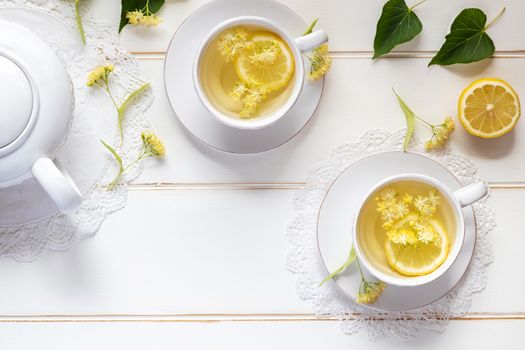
[(183, 98), (336, 217)]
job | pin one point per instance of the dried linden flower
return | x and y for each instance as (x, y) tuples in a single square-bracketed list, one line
[(440, 134), (134, 17), (402, 236), (99, 74), (143, 17), (320, 62), (152, 144), (250, 95), (265, 53), (232, 42), (369, 292)]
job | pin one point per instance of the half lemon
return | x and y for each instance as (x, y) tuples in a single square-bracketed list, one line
[(489, 108)]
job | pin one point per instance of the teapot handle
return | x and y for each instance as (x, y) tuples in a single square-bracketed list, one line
[(58, 185)]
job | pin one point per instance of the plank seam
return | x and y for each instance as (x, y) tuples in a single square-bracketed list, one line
[(173, 186)]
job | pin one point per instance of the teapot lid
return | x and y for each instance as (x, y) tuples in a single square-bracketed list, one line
[(16, 98)]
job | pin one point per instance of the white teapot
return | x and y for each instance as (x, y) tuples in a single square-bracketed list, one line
[(36, 104)]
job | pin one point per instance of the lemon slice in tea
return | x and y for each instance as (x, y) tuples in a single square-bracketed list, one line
[(421, 259), (489, 108), (270, 76)]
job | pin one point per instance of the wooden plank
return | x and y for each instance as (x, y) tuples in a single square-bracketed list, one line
[(259, 335), (358, 96), (208, 251), (350, 23)]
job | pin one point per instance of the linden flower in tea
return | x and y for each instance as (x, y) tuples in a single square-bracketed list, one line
[(246, 72), (416, 242)]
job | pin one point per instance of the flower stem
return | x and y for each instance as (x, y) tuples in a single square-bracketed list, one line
[(495, 19), (80, 26), (416, 5), (424, 121)]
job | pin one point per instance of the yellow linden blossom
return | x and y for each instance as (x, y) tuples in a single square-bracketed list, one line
[(134, 17), (143, 16), (152, 144), (433, 198), (369, 292), (250, 95), (232, 42), (393, 210), (99, 74), (400, 209), (265, 53), (440, 134), (320, 62), (426, 234), (426, 205), (408, 199), (402, 236)]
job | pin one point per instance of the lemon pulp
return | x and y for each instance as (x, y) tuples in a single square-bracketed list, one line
[(272, 77), (489, 108)]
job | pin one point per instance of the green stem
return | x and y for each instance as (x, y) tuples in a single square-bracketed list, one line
[(424, 121), (80, 26), (360, 271), (116, 179), (145, 9), (495, 19), (340, 269), (416, 5), (141, 157)]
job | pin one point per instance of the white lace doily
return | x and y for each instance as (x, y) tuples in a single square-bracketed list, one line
[(29, 222), (305, 262)]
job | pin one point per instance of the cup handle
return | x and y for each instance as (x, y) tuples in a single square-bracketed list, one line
[(471, 193), (311, 41), (58, 185)]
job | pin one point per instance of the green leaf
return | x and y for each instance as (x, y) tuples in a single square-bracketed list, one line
[(119, 162), (410, 118), (467, 41), (398, 24), (311, 27), (351, 258), (137, 5)]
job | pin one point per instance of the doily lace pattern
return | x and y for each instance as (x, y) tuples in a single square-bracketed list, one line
[(29, 222), (305, 263)]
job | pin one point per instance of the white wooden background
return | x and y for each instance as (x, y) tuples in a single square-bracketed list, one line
[(196, 259)]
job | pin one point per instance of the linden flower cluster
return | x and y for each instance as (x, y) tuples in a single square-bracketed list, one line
[(393, 208), (320, 62), (369, 292), (440, 134), (232, 42), (151, 145), (143, 17), (265, 53), (251, 95), (100, 75)]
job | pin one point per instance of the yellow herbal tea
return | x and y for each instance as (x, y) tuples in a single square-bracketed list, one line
[(406, 228), (247, 72)]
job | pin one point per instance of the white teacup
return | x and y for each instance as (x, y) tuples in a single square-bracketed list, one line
[(297, 46), (456, 200)]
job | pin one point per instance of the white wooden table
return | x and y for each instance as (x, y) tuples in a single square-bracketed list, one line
[(196, 259)]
